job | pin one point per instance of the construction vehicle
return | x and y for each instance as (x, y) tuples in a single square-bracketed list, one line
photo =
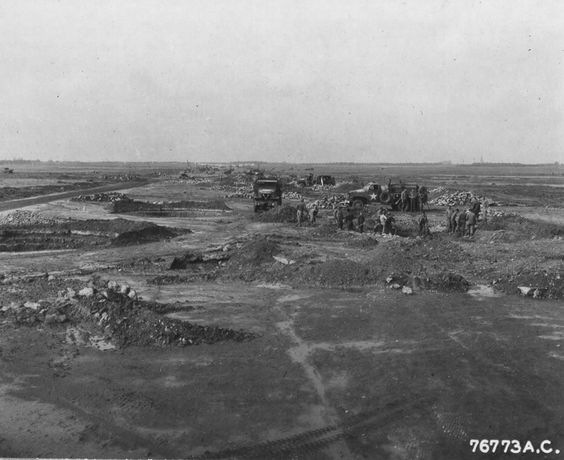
[(267, 193), (389, 195), (325, 180)]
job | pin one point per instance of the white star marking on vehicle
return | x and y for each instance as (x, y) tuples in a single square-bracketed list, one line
[(373, 196)]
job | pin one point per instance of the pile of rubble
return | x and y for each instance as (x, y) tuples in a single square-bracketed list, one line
[(23, 218), (318, 187), (292, 196), (330, 201), (445, 197), (193, 180), (237, 191), (103, 197), (120, 315)]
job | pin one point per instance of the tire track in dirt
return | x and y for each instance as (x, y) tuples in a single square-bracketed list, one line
[(313, 441)]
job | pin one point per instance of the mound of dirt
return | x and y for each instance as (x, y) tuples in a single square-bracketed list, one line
[(520, 226), (254, 253), (147, 234), (340, 273), (132, 322), (448, 282), (74, 234), (135, 206), (121, 317), (284, 213), (548, 284)]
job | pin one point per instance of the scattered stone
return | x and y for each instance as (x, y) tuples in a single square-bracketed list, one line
[(71, 293), (283, 260), (395, 286), (32, 305), (86, 292), (132, 294), (407, 290), (124, 289), (525, 290)]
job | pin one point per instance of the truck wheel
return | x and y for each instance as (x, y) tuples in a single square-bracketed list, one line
[(358, 204), (385, 197)]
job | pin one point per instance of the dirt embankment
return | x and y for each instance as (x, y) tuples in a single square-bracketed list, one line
[(164, 208), (29, 232)]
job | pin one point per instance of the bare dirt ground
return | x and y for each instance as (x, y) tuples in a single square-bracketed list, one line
[(191, 327)]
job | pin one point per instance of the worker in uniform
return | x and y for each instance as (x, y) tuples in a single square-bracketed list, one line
[(384, 222), (340, 217), (349, 218), (403, 199), (301, 212), (454, 221), (412, 200), (423, 224), (449, 219), (314, 212), (461, 224), (360, 221), (470, 223)]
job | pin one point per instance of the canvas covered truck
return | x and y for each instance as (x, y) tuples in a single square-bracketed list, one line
[(267, 193), (389, 195)]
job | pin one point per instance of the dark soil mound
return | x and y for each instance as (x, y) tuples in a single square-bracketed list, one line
[(448, 282), (145, 207), (147, 234), (340, 273), (284, 213), (74, 234), (520, 226), (253, 253)]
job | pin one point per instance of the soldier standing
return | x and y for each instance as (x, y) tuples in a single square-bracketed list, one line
[(314, 212), (449, 219), (454, 221), (412, 200), (423, 221), (470, 223), (461, 224), (340, 217), (403, 199), (361, 222), (349, 218), (301, 212)]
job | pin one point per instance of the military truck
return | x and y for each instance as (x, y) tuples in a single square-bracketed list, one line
[(389, 195), (267, 193)]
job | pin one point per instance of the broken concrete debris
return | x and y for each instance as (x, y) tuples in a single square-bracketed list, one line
[(116, 311)]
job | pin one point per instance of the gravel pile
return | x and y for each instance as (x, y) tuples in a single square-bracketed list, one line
[(292, 196), (331, 201), (445, 197), (22, 218), (116, 311), (103, 197)]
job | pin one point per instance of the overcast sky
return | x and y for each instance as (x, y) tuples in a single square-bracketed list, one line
[(307, 81)]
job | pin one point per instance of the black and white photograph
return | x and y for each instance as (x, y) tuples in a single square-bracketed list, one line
[(282, 229)]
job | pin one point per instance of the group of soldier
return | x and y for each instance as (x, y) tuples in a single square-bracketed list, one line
[(461, 223), (304, 215), (411, 201), (345, 218)]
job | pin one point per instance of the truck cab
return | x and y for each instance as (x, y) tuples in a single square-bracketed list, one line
[(267, 193)]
